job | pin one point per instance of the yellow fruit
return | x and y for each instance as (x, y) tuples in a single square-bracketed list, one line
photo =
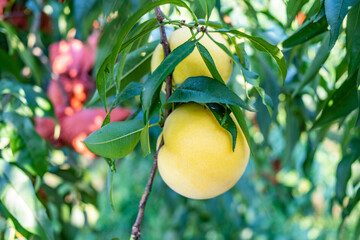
[(197, 160), (193, 65)]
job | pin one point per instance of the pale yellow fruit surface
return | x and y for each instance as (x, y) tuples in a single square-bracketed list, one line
[(197, 160), (193, 65)]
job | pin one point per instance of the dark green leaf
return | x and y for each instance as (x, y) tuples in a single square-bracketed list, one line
[(18, 196), (352, 203), (31, 96), (264, 46), (336, 11), (144, 140), (141, 28), (308, 30), (85, 12), (205, 55), (358, 95), (343, 171), (25, 55), (292, 9), (222, 115), (320, 58), (10, 65), (340, 103), (251, 77), (131, 90), (136, 66), (165, 68), (35, 145), (240, 118), (116, 139), (111, 6), (206, 90), (207, 6), (353, 38)]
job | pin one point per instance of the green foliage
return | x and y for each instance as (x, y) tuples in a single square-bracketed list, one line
[(165, 68), (18, 197), (206, 90), (301, 123), (336, 11), (115, 140)]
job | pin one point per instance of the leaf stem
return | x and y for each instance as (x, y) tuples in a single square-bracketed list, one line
[(136, 233)]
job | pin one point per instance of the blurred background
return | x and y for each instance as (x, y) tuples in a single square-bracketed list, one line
[(303, 182)]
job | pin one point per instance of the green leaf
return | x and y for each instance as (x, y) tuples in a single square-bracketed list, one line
[(321, 56), (343, 171), (206, 90), (108, 64), (222, 115), (353, 38), (116, 139), (358, 94), (205, 55), (315, 26), (351, 205), (111, 6), (292, 9), (251, 77), (240, 118), (10, 65), (144, 140), (264, 46), (130, 91), (336, 11), (137, 64), (207, 6), (35, 145), (340, 103), (85, 12), (127, 47), (165, 68), (31, 96), (18, 196), (24, 53)]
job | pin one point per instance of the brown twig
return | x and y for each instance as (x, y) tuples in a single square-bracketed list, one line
[(136, 233)]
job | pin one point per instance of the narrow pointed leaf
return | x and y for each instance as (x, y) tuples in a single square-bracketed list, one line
[(340, 103), (321, 56), (240, 118), (264, 46), (165, 68), (209, 62), (222, 115), (353, 38), (336, 11), (144, 140), (307, 31), (37, 162), (206, 90), (18, 196)]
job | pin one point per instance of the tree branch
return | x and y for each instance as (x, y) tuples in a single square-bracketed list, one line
[(136, 233)]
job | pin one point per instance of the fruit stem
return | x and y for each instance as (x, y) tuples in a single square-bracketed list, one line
[(136, 233)]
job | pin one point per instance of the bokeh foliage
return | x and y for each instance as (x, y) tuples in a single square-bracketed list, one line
[(302, 181)]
